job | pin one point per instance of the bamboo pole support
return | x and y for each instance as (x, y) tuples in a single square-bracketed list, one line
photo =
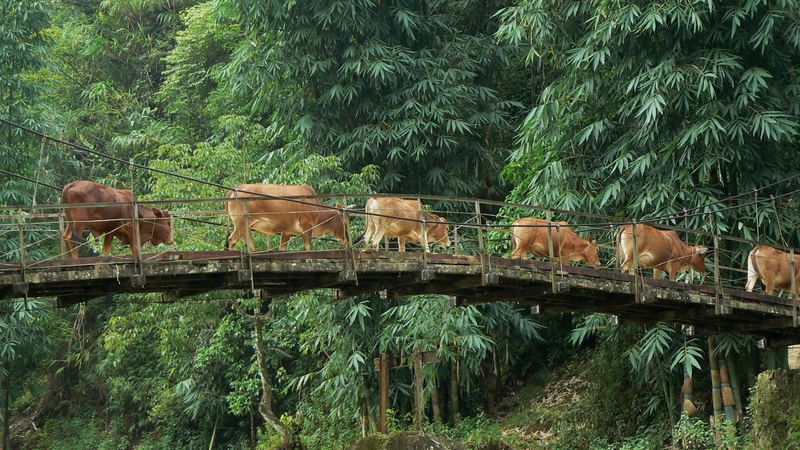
[(637, 273), (419, 401), (481, 243), (728, 401), (23, 253), (454, 401), (716, 394), (794, 287), (248, 235), (717, 280), (551, 252), (62, 228)]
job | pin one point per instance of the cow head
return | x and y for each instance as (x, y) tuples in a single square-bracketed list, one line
[(590, 253), (162, 229), (698, 261), (439, 232)]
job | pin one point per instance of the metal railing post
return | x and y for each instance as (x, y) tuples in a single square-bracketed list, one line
[(794, 288), (551, 252), (637, 275)]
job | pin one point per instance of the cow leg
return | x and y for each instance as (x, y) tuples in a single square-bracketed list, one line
[(284, 244), (401, 244), (248, 239), (307, 240), (657, 273), (233, 239), (369, 231), (72, 246), (107, 246), (769, 286), (673, 274), (518, 253), (626, 267), (376, 239)]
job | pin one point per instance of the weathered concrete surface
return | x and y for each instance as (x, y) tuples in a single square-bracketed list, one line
[(776, 409), (794, 357)]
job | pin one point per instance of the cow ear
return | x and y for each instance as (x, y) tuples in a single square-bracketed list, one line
[(158, 212), (590, 237), (441, 219), (339, 205), (702, 249)]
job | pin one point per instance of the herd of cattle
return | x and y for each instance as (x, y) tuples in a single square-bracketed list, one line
[(661, 250)]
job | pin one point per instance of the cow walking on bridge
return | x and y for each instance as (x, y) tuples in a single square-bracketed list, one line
[(155, 225), (307, 217), (420, 226), (661, 250), (773, 267), (529, 235)]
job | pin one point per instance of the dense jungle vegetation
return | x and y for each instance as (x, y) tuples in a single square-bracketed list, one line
[(626, 108)]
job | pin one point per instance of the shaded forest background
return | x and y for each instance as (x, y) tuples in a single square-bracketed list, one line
[(628, 108)]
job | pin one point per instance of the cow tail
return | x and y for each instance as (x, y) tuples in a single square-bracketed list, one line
[(619, 247), (68, 215), (360, 237), (752, 270)]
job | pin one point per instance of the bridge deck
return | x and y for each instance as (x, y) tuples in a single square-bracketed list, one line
[(181, 274)]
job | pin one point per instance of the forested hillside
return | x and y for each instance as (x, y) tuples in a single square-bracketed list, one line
[(625, 108)]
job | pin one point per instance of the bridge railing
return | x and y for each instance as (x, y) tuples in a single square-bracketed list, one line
[(32, 234)]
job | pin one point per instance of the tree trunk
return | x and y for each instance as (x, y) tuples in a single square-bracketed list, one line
[(435, 405), (265, 405), (716, 396), (491, 391), (4, 419), (454, 408), (735, 384)]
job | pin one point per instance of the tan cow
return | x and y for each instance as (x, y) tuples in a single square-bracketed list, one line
[(773, 267), (377, 226), (661, 250), (284, 217), (528, 236), (155, 225)]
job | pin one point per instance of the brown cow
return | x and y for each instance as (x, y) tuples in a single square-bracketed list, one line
[(284, 217), (567, 245), (155, 225), (773, 267), (661, 250), (377, 226)]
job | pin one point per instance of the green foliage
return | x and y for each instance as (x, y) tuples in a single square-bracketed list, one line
[(407, 85), (658, 107), (190, 90)]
